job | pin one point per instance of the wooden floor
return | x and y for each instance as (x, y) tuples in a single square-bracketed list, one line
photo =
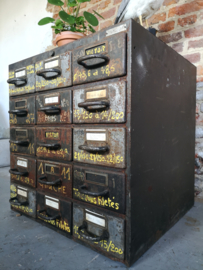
[(27, 245)]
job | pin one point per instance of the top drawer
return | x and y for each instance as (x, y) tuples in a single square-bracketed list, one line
[(99, 61), (54, 72), (22, 81)]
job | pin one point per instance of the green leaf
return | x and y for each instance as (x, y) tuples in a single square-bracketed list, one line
[(56, 2), (82, 1), (46, 20), (72, 3), (66, 17), (57, 27), (98, 14), (58, 22), (57, 31), (91, 28), (79, 20), (90, 18)]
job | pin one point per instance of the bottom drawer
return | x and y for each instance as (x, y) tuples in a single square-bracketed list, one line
[(102, 231), (54, 211), (23, 199)]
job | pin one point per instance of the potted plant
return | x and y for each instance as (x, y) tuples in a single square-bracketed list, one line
[(71, 26)]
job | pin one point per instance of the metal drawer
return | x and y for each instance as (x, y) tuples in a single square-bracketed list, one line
[(54, 108), (22, 111), (105, 103), (23, 199), (22, 81), (54, 72), (54, 177), (23, 170), (103, 232), (100, 146), (99, 187), (101, 60), (54, 211), (22, 140), (54, 142)]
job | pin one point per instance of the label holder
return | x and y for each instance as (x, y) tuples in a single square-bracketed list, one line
[(49, 97), (97, 45), (22, 160), (48, 63), (52, 202), (93, 218), (94, 132), (21, 107), (51, 165)]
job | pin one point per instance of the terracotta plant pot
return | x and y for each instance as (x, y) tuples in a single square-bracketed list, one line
[(67, 37)]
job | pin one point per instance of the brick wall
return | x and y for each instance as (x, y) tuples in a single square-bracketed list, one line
[(180, 25)]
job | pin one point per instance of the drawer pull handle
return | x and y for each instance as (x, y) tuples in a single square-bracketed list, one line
[(21, 143), (53, 183), (47, 218), (99, 105), (43, 72), (50, 110), (16, 80), (83, 189), (16, 172), (88, 236), (94, 148), (14, 201), (81, 60), (19, 112), (47, 145)]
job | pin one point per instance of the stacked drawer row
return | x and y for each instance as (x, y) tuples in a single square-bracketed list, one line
[(59, 128)]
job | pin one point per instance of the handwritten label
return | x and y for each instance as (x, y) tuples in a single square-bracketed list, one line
[(96, 220), (96, 137), (104, 115), (22, 162), (20, 73), (116, 30), (97, 49), (110, 159), (96, 94), (22, 191), (54, 203), (52, 135), (51, 100), (52, 64)]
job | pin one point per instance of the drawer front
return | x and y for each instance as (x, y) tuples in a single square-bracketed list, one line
[(54, 143), (100, 104), (23, 170), (23, 199), (54, 108), (102, 231), (22, 81), (54, 211), (22, 140), (100, 146), (54, 177), (22, 111), (54, 72), (99, 187), (99, 61)]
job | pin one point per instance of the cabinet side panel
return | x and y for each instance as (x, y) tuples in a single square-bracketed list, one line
[(162, 139)]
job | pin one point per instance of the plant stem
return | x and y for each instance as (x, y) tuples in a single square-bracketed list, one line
[(77, 11)]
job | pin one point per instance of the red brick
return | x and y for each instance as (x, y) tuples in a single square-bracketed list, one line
[(199, 79), (56, 9), (171, 37), (105, 24), (104, 4), (56, 16), (187, 20), (195, 44), (93, 8), (178, 47), (109, 13), (95, 1), (117, 2), (193, 58), (49, 7), (83, 5), (157, 18), (194, 32), (166, 27), (170, 2), (200, 71), (186, 8)]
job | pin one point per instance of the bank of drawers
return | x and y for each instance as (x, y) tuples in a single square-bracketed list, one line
[(59, 139)]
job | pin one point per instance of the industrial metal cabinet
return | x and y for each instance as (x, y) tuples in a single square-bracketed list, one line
[(113, 138)]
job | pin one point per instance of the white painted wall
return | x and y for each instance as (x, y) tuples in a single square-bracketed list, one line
[(20, 38)]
